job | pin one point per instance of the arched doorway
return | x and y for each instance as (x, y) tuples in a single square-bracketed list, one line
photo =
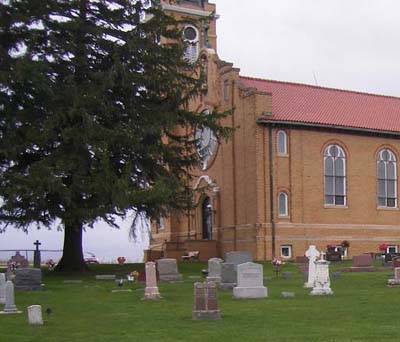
[(206, 218)]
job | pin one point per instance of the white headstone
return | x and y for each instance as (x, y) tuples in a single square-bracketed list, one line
[(312, 254), (396, 280), (214, 269), (10, 300), (322, 283), (2, 288), (250, 281), (35, 315)]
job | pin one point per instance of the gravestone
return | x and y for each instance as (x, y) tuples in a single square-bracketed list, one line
[(72, 281), (10, 307), (312, 254), (214, 269), (286, 294), (168, 270), (239, 257), (19, 260), (396, 280), (362, 263), (205, 305), (287, 275), (36, 255), (35, 315), (151, 290), (228, 276), (395, 262), (2, 288), (301, 260), (250, 281), (28, 279), (322, 283), (105, 277)]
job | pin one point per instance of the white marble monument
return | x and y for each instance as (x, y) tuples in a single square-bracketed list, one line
[(35, 315), (10, 307), (396, 280), (322, 283), (312, 254), (2, 288)]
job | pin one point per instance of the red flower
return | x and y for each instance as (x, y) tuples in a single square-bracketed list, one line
[(382, 247), (121, 260)]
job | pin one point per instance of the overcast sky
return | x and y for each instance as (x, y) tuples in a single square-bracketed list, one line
[(348, 44)]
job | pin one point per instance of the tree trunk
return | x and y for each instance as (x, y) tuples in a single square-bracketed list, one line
[(72, 258)]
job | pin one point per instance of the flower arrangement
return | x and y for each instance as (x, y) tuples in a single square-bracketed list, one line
[(133, 276), (50, 264), (382, 247), (276, 262), (121, 260)]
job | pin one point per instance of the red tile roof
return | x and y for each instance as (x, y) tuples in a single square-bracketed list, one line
[(312, 105)]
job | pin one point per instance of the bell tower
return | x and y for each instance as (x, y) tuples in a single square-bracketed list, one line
[(200, 29)]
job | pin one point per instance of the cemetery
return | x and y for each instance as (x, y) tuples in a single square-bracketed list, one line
[(239, 300)]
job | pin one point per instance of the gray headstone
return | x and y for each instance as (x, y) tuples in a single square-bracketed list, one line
[(19, 259), (72, 281), (28, 279), (168, 270), (287, 275), (239, 257), (35, 315), (214, 269), (205, 305), (105, 277), (228, 276), (10, 299), (2, 288), (285, 294), (250, 281)]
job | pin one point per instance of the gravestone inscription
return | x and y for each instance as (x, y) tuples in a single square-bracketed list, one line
[(322, 284), (205, 305)]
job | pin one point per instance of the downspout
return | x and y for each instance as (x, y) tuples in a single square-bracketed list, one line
[(234, 167), (271, 191)]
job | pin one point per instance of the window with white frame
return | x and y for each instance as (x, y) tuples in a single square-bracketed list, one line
[(386, 179), (286, 251), (283, 204), (334, 175), (392, 249), (281, 142), (191, 36)]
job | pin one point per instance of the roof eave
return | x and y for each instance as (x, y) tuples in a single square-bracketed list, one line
[(319, 125)]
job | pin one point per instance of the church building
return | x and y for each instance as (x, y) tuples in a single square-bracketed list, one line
[(306, 164)]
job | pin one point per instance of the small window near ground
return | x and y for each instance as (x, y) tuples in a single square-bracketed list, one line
[(392, 249), (281, 142), (286, 251), (283, 204)]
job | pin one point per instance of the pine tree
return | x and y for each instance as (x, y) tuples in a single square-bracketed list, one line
[(90, 102)]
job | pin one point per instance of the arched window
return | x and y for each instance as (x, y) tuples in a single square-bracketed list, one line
[(191, 36), (283, 204), (386, 179), (335, 175), (281, 142)]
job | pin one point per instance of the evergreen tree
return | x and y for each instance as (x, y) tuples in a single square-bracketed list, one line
[(90, 103)]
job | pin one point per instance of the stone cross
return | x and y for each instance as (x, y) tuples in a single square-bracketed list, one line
[(2, 288), (322, 283), (36, 255), (10, 300), (151, 290), (205, 305), (312, 254), (35, 315)]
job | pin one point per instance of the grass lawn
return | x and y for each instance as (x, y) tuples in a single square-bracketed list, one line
[(362, 308)]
